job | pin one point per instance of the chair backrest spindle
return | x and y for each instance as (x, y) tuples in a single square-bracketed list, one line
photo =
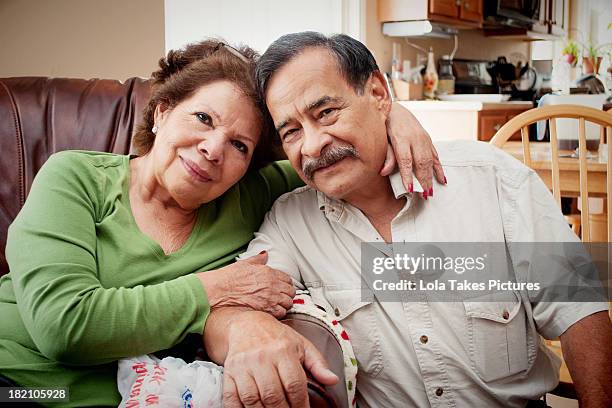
[(526, 150), (584, 190), (555, 161)]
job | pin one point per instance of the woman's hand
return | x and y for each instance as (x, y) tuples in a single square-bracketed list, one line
[(413, 151), (249, 283)]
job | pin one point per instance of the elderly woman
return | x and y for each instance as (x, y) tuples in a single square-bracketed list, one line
[(115, 256)]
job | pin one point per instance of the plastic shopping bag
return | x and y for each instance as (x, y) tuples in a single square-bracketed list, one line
[(148, 381)]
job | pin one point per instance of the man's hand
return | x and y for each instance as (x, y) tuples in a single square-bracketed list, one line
[(265, 363), (413, 151), (587, 352)]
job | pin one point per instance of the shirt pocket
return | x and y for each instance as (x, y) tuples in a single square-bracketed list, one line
[(497, 338), (358, 319)]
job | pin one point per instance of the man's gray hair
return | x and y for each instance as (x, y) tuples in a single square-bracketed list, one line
[(355, 61)]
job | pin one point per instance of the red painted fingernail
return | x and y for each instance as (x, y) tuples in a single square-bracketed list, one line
[(425, 195), (430, 194), (263, 252), (410, 188), (445, 180)]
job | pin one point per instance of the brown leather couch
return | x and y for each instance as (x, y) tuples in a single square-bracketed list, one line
[(40, 116)]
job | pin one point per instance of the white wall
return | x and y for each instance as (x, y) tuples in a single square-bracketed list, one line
[(590, 19), (255, 22), (589, 22), (601, 16)]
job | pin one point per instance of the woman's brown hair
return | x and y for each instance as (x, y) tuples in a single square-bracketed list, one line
[(183, 72)]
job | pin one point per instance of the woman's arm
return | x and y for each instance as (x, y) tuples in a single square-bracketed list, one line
[(70, 316)]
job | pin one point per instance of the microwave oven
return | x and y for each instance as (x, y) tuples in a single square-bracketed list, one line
[(512, 12)]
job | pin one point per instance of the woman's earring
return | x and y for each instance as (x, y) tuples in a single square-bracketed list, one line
[(154, 129)]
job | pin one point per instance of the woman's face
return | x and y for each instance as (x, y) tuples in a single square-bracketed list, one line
[(204, 144)]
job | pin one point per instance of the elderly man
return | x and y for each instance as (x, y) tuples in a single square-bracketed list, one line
[(329, 104)]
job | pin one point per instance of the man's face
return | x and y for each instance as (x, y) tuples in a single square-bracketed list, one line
[(335, 138)]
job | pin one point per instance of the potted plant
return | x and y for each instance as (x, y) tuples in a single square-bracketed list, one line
[(592, 60), (571, 52), (592, 54)]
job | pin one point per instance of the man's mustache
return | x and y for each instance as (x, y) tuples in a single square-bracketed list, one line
[(329, 156)]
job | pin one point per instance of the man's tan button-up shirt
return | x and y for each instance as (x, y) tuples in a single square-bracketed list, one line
[(435, 354)]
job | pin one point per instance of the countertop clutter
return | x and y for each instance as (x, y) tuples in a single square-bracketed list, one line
[(468, 98), (436, 72)]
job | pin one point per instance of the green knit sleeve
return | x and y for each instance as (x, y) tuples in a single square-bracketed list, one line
[(70, 316), (280, 178)]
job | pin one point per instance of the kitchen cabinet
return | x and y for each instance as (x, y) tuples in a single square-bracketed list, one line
[(559, 17), (542, 26), (471, 10), (462, 13), (447, 8), (490, 121), (554, 18)]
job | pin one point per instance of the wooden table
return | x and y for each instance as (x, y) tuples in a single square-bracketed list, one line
[(569, 173)]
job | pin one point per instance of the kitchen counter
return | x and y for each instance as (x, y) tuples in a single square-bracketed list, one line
[(473, 120), (466, 105)]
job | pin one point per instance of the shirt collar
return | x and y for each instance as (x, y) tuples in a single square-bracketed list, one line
[(398, 186), (329, 204)]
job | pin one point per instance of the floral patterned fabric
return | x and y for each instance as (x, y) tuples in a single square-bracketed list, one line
[(302, 303)]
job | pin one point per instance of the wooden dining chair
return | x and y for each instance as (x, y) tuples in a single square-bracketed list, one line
[(550, 114)]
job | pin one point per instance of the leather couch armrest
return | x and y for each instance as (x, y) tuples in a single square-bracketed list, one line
[(327, 344)]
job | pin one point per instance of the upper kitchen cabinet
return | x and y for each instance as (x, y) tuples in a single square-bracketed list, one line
[(559, 17), (553, 17), (448, 8), (542, 25), (461, 13), (471, 10), (527, 19)]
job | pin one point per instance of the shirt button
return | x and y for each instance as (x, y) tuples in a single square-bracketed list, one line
[(439, 392), (337, 312), (505, 315), (424, 339)]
